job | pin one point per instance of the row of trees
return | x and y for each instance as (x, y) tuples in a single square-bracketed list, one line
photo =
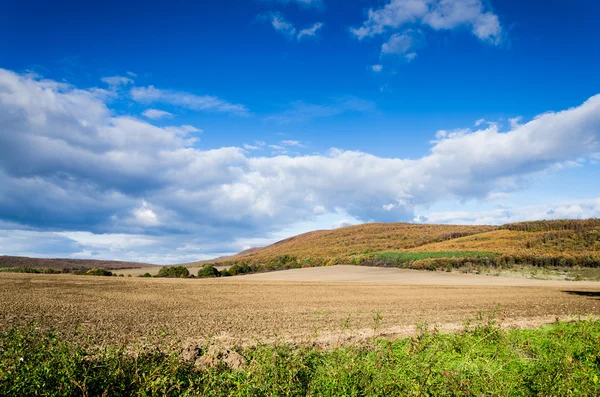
[(207, 271)]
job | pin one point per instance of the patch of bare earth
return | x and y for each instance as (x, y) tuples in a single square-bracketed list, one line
[(243, 310)]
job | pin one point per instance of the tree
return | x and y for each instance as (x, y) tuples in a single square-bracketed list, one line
[(174, 272), (208, 271)]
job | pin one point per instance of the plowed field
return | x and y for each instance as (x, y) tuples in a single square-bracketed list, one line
[(246, 309)]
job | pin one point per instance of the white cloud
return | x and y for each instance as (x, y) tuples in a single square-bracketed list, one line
[(401, 44), (515, 122), (437, 14), (145, 216), (290, 142), (156, 114), (376, 68), (109, 241), (410, 56), (115, 81), (282, 25), (87, 170), (580, 209), (257, 145), (186, 100), (310, 32), (433, 14)]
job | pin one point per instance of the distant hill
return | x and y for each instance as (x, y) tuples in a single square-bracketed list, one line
[(329, 246), (540, 243), (60, 264)]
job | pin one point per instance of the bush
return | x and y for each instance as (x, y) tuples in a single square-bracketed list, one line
[(208, 271), (147, 275), (98, 272), (239, 268), (174, 272), (225, 273)]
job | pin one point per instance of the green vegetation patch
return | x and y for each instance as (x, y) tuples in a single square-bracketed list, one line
[(174, 272), (402, 257), (557, 360)]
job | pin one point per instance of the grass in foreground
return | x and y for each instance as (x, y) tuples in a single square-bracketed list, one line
[(556, 360)]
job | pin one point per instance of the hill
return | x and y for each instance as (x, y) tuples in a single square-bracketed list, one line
[(66, 264), (343, 245), (564, 243)]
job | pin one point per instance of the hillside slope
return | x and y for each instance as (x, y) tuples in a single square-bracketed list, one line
[(563, 242), (327, 247), (541, 243)]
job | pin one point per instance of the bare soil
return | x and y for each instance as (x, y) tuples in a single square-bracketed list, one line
[(350, 273), (241, 310)]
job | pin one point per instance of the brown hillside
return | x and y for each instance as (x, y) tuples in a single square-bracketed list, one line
[(340, 244), (540, 243), (60, 264), (539, 238)]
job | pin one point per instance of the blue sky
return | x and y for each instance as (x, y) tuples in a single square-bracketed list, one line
[(174, 131)]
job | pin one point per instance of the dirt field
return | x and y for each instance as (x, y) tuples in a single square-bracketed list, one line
[(349, 273), (249, 308)]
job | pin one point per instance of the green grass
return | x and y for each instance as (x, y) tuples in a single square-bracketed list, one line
[(556, 360), (401, 257)]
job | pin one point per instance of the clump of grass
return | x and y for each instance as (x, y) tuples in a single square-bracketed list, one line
[(558, 359)]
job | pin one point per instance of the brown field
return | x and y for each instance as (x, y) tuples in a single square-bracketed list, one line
[(253, 308), (352, 273)]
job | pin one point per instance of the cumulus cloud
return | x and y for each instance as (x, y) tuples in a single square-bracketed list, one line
[(377, 68), (285, 27), (436, 14), (186, 100), (68, 163), (433, 14), (156, 114), (402, 44)]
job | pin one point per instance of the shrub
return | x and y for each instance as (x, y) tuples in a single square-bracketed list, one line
[(147, 275), (174, 272), (239, 268), (208, 271), (98, 272)]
